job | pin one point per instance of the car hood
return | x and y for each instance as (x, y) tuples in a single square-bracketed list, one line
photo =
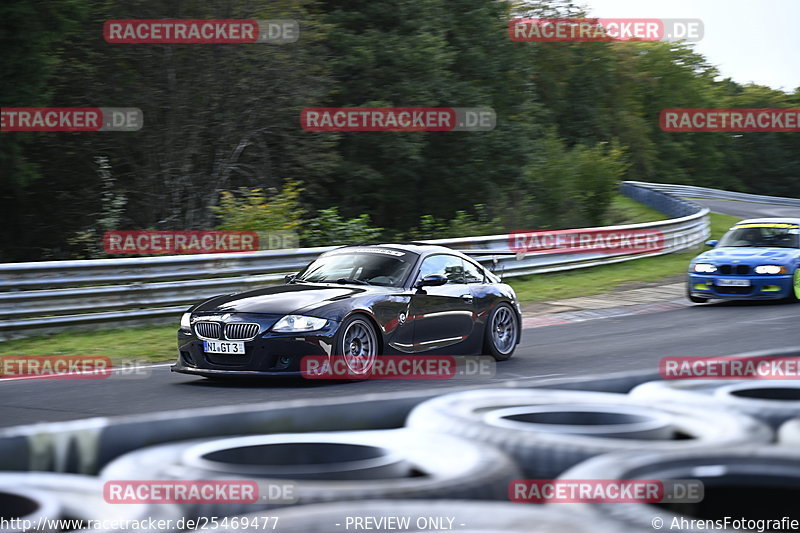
[(749, 256), (285, 299)]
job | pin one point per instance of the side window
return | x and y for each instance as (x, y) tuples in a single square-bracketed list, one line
[(447, 265), (472, 274)]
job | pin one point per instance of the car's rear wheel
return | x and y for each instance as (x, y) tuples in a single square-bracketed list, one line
[(500, 338), (692, 298), (357, 346)]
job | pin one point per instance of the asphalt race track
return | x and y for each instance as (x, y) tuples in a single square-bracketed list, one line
[(749, 210), (588, 348)]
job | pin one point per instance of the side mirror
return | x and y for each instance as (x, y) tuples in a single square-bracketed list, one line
[(712, 243), (431, 280), (288, 278)]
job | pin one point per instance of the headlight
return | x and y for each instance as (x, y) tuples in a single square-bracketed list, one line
[(298, 323), (771, 269), (704, 267), (186, 321)]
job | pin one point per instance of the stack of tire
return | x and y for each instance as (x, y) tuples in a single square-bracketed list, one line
[(720, 433), (773, 402), (472, 445), (549, 431), (325, 467)]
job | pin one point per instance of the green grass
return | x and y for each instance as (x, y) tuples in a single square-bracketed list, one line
[(152, 344), (623, 210), (157, 344), (600, 279)]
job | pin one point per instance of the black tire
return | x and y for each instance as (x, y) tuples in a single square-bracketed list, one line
[(325, 467), (749, 481), (610, 423), (343, 352), (501, 344), (694, 299), (772, 402), (467, 516), (794, 295)]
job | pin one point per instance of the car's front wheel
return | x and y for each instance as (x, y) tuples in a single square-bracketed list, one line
[(694, 299), (500, 338), (357, 346)]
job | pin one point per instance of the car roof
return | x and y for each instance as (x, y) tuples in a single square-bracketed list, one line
[(773, 220)]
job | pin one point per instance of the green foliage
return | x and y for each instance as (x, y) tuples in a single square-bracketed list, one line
[(571, 187), (463, 224), (253, 210), (328, 228), (400, 53), (86, 243), (597, 171), (571, 119)]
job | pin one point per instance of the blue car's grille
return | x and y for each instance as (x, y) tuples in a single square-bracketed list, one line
[(208, 330), (740, 270), (241, 331)]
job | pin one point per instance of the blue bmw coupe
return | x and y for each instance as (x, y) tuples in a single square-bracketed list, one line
[(757, 259)]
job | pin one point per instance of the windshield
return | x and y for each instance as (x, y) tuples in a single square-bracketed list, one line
[(772, 235), (384, 267)]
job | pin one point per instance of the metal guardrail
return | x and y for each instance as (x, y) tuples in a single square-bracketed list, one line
[(52, 296), (690, 191)]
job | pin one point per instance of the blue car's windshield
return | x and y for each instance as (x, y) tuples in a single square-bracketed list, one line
[(361, 266), (768, 235)]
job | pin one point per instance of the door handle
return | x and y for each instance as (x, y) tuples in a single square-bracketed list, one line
[(467, 298)]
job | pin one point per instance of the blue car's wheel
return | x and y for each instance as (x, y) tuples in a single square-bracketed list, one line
[(694, 299)]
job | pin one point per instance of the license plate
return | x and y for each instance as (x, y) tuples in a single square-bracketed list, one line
[(232, 348), (733, 282)]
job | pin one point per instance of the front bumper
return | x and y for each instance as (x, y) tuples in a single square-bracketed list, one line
[(210, 373), (268, 355), (762, 287)]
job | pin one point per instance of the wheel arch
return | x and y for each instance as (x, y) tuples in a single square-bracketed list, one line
[(373, 321)]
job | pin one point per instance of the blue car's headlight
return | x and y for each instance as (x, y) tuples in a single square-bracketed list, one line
[(298, 323), (705, 268), (771, 269)]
